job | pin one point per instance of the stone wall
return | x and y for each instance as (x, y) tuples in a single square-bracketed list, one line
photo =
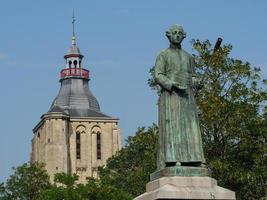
[(55, 144)]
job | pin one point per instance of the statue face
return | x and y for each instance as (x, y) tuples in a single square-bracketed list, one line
[(177, 35)]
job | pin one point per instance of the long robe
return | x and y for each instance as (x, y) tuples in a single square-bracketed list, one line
[(179, 131)]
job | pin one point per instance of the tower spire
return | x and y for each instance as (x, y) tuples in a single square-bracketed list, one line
[(73, 39)]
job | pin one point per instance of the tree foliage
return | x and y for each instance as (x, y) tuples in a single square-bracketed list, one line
[(232, 118), (26, 183), (130, 168), (31, 182), (67, 188), (64, 187)]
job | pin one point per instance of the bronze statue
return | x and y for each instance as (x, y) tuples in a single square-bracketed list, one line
[(180, 141)]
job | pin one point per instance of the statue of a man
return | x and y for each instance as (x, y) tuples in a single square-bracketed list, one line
[(179, 132)]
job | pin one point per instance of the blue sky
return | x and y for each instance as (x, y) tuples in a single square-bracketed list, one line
[(120, 40)]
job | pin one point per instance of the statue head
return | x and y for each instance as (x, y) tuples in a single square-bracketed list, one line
[(176, 34)]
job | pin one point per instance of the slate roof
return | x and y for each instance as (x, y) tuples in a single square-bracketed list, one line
[(74, 50), (76, 100)]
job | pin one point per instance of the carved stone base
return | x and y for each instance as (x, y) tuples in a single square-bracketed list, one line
[(179, 187)]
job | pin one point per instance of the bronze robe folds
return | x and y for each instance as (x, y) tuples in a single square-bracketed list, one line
[(179, 131)]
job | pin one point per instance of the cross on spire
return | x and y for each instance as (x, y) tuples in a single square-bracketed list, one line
[(73, 24), (73, 39)]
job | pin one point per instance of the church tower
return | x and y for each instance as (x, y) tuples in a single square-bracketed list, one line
[(74, 136)]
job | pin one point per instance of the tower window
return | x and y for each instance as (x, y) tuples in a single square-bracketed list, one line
[(38, 134), (98, 146), (78, 145), (70, 64), (80, 62), (75, 63)]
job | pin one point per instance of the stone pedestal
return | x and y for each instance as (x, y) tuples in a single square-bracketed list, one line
[(182, 187)]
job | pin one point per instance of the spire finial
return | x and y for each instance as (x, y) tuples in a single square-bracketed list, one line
[(73, 39)]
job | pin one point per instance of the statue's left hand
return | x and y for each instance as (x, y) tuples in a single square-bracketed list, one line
[(179, 86)]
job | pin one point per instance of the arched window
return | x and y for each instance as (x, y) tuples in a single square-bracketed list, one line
[(98, 146), (78, 145), (70, 64), (75, 63)]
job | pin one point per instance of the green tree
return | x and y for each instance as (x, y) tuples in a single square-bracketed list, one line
[(67, 188), (64, 187), (129, 170), (31, 182), (99, 190), (26, 183), (233, 124), (2, 192)]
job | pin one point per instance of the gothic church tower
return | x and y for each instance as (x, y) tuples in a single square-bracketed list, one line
[(74, 136)]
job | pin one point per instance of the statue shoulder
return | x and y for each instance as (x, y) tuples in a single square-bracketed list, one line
[(162, 56), (163, 52), (187, 54)]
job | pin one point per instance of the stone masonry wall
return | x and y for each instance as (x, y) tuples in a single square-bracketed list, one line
[(54, 143)]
